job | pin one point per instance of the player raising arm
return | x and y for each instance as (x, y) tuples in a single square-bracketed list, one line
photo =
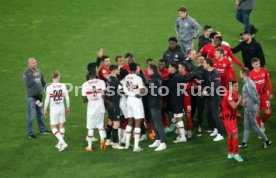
[(55, 94)]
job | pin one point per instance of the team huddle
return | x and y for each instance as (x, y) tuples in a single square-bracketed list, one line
[(171, 95)]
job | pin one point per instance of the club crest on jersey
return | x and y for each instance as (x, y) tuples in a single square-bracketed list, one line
[(263, 75), (104, 71), (223, 65)]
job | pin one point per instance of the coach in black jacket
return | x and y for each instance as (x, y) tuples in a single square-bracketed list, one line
[(173, 54), (155, 105), (249, 48)]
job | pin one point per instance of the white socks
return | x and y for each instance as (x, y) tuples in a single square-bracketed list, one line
[(136, 137), (89, 137), (181, 128), (128, 135), (58, 135)]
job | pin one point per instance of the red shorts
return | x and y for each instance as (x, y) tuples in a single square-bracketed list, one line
[(230, 126), (264, 102), (187, 105)]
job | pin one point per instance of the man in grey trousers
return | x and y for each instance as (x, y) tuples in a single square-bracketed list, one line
[(187, 30), (251, 103), (34, 83)]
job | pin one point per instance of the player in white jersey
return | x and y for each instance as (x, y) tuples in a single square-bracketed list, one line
[(134, 88), (123, 107), (93, 93), (55, 94)]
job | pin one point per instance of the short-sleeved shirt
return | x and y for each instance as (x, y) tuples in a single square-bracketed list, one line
[(133, 84), (227, 111), (94, 91), (56, 92), (103, 70)]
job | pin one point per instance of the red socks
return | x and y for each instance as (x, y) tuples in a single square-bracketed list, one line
[(229, 144), (235, 145), (189, 123), (265, 117)]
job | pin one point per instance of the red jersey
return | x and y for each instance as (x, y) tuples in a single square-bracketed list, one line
[(164, 74), (146, 73), (227, 111), (103, 70), (262, 81), (224, 67), (126, 67), (210, 51)]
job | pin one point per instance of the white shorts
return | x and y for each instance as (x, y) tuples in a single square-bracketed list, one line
[(135, 108), (95, 120), (123, 106), (57, 116), (178, 115)]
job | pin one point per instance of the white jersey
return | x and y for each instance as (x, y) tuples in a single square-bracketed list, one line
[(94, 90), (55, 94), (133, 84)]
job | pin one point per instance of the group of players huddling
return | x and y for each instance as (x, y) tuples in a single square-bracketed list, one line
[(138, 100)]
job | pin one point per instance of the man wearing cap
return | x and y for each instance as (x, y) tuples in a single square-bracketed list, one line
[(187, 30), (173, 54), (244, 9), (249, 48)]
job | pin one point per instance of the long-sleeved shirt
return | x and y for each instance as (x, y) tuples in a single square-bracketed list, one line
[(202, 41), (34, 84), (249, 92), (187, 28), (154, 97), (249, 51), (211, 83), (173, 55)]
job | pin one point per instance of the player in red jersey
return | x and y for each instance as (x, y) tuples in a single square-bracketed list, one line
[(261, 78), (104, 70), (230, 102), (225, 67), (207, 50), (149, 62), (187, 99), (227, 51)]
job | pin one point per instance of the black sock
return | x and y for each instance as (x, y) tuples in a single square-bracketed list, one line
[(108, 131), (115, 135)]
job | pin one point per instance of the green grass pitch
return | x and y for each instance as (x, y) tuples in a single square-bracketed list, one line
[(65, 35)]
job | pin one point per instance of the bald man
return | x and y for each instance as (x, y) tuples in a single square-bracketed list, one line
[(34, 83)]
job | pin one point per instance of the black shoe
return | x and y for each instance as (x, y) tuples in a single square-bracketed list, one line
[(243, 145), (267, 144), (46, 132), (199, 134), (209, 131), (32, 136)]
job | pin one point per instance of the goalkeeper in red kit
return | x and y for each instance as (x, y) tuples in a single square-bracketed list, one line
[(230, 102)]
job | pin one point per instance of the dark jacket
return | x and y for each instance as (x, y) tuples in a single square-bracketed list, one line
[(202, 41), (249, 51), (34, 84), (190, 65), (154, 98), (211, 78), (173, 55)]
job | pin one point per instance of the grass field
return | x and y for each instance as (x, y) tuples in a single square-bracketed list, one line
[(65, 35)]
